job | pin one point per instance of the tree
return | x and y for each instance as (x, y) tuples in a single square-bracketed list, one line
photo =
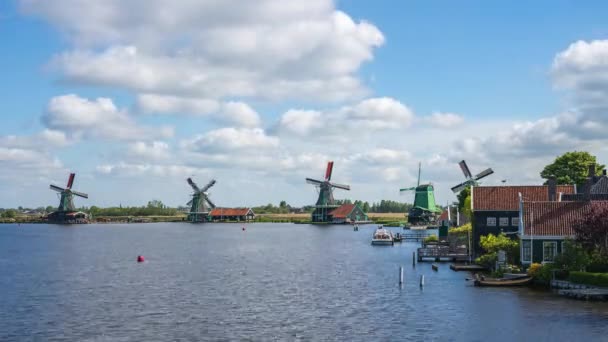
[(592, 231), (573, 256), (283, 204), (493, 243), (156, 204), (571, 168), (464, 202), (11, 213)]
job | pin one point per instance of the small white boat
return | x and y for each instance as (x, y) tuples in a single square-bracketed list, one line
[(382, 237)]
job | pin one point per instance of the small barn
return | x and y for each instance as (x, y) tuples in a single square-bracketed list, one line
[(347, 213), (231, 214)]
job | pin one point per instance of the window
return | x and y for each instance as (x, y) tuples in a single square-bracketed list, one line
[(549, 251), (491, 221), (503, 221), (526, 250), (515, 221)]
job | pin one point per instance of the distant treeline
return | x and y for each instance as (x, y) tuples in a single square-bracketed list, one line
[(157, 208), (384, 206)]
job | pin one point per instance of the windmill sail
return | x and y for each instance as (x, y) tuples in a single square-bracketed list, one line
[(326, 196), (470, 180)]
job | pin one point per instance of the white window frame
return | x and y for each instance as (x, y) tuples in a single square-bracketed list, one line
[(488, 221), (503, 221), (523, 248), (515, 221), (554, 243)]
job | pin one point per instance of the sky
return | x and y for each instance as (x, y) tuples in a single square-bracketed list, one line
[(136, 96)]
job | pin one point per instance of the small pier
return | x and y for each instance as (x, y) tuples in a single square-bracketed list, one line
[(442, 253), (580, 291)]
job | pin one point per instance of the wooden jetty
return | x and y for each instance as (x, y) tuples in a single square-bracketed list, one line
[(439, 253), (471, 268), (586, 294)]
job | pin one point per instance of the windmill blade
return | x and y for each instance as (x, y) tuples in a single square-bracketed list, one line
[(313, 181), (71, 180), (458, 188), (210, 184), (340, 186), (209, 202), (79, 194), (465, 169), (193, 185), (56, 188), (484, 173), (330, 168), (407, 189), (189, 203)]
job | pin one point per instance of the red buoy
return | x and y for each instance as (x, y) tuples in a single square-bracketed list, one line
[(140, 258)]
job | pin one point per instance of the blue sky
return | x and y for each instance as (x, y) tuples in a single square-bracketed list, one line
[(136, 97)]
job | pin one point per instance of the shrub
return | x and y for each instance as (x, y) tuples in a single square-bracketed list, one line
[(487, 260), (573, 257), (431, 238), (541, 273), (597, 279)]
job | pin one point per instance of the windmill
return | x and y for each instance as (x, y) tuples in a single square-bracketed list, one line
[(200, 204), (470, 180), (325, 202), (425, 210), (66, 212)]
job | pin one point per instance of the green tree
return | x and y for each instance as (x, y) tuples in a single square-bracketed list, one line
[(11, 213), (283, 204), (464, 202), (493, 243), (571, 168), (156, 204), (573, 256)]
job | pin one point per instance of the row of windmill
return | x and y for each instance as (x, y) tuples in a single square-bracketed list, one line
[(423, 212)]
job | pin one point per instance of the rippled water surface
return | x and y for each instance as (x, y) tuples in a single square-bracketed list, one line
[(271, 282)]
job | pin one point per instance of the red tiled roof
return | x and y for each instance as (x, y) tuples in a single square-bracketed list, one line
[(507, 197), (444, 216), (229, 212), (342, 211), (554, 218)]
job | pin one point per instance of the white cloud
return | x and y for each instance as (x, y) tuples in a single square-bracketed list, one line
[(152, 103), (231, 139), (123, 169), (368, 115), (156, 150), (47, 139), (240, 113), (232, 112), (17, 164), (445, 120), (266, 49), (100, 118)]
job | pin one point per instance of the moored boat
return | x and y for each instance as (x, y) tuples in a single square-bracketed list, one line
[(482, 281), (382, 237), (398, 237)]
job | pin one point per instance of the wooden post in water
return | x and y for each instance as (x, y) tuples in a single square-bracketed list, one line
[(400, 275), (422, 280), (414, 259)]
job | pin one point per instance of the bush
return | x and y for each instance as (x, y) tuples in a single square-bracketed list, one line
[(541, 273), (487, 260), (431, 238), (573, 257), (587, 278)]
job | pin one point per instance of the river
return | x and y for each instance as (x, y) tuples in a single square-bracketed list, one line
[(283, 282)]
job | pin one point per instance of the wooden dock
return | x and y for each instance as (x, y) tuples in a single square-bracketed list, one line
[(442, 253), (599, 294), (470, 268)]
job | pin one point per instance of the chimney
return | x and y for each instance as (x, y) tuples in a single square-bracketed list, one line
[(592, 170), (588, 186), (552, 188)]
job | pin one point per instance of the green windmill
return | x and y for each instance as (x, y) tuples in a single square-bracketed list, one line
[(424, 211), (200, 204)]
